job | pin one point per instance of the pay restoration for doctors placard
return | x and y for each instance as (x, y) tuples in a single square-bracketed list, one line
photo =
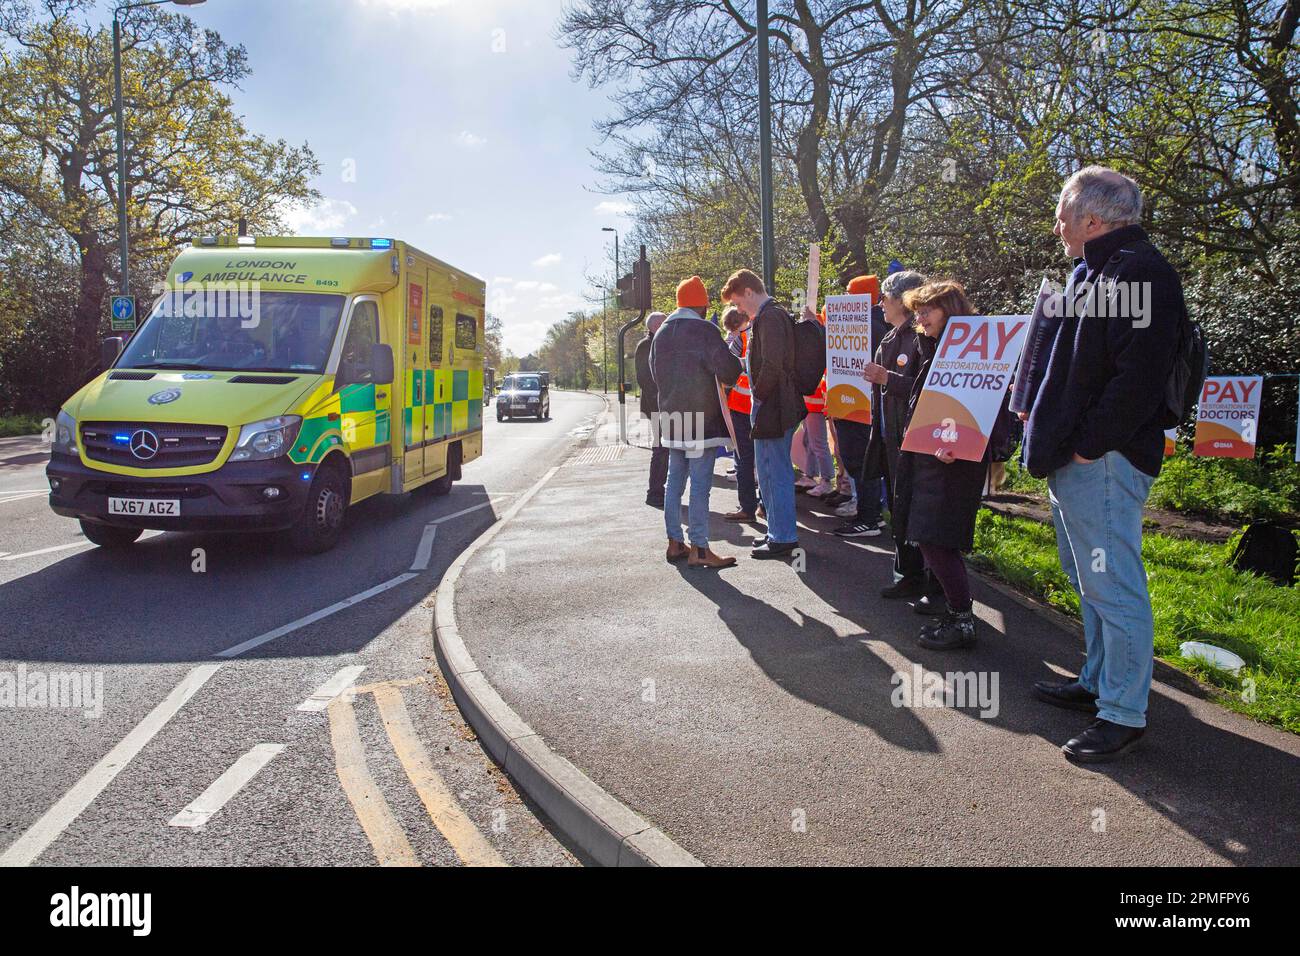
[(967, 381)]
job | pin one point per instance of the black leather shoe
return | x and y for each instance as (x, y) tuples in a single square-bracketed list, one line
[(1102, 741), (1069, 694), (903, 588), (773, 549), (931, 605)]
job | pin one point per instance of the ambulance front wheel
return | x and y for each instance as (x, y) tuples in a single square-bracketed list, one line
[(109, 536), (321, 522)]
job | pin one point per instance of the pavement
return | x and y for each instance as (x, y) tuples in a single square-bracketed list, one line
[(331, 740), (755, 715)]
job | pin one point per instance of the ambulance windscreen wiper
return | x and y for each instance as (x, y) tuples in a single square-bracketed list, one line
[(184, 366)]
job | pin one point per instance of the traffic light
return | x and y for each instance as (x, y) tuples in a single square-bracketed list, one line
[(634, 288)]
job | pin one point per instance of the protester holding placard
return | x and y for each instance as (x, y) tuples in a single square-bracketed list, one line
[(892, 374), (1094, 431), (938, 493), (853, 436)]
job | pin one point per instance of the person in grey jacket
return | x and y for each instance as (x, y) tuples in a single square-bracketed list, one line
[(654, 495), (688, 359)]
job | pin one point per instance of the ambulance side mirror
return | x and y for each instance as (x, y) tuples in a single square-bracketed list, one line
[(381, 364), (109, 350)]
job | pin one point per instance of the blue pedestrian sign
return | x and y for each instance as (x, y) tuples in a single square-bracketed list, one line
[(123, 313)]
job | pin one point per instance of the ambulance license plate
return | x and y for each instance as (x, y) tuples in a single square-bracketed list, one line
[(145, 507)]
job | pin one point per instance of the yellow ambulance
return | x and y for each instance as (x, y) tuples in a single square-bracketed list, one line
[(275, 382)]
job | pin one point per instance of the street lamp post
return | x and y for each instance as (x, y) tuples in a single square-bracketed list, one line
[(765, 151), (604, 349), (123, 242)]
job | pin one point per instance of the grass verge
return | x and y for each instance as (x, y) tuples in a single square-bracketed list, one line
[(1195, 596)]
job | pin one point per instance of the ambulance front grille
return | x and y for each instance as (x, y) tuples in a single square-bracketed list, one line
[(178, 446)]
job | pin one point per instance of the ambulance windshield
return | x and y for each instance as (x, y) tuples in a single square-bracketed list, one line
[(229, 330)]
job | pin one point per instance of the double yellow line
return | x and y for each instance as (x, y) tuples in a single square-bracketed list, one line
[(391, 846)]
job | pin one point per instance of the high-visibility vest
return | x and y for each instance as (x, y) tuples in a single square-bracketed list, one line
[(739, 398), (816, 402)]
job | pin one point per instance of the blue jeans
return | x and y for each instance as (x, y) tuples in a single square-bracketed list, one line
[(700, 471), (746, 486), (776, 482), (1097, 510)]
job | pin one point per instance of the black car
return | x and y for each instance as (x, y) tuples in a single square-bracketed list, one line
[(524, 394)]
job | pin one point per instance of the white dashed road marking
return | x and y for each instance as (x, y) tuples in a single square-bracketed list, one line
[(71, 805), (226, 786)]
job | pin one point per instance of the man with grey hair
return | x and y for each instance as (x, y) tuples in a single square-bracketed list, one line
[(654, 496), (1094, 431)]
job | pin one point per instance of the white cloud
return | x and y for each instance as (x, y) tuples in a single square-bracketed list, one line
[(548, 260), (467, 140), (611, 207), (527, 308), (327, 216)]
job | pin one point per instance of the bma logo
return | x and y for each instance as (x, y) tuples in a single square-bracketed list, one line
[(144, 444), (165, 396)]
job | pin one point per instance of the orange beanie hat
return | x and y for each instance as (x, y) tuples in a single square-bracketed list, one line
[(691, 294), (863, 285)]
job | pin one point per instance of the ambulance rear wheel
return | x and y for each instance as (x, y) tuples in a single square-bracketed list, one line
[(109, 536), (442, 485), (321, 522)]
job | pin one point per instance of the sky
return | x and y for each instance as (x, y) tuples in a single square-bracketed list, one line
[(454, 125)]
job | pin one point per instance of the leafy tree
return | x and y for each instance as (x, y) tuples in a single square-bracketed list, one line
[(193, 167)]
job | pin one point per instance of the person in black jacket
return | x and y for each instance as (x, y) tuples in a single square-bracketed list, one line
[(937, 496), (688, 360), (1094, 432), (654, 495), (892, 375), (778, 407)]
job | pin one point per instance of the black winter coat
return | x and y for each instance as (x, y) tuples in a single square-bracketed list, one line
[(644, 379), (891, 403), (936, 503), (777, 406), (688, 358), (1105, 383)]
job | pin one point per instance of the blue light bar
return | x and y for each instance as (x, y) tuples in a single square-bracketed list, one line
[(381, 243), (122, 439)]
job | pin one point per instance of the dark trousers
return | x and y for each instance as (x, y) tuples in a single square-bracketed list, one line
[(852, 439), (908, 562), (746, 481), (658, 473)]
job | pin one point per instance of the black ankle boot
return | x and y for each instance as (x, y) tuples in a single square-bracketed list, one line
[(954, 631)]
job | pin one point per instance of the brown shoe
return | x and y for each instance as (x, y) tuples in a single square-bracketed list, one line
[(677, 550), (761, 513), (704, 558), (741, 515)]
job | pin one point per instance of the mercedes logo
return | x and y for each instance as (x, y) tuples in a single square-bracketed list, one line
[(144, 444)]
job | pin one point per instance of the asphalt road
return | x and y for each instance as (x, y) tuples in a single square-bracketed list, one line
[(225, 734)]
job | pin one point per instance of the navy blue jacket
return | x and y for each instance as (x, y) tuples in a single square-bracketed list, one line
[(1105, 382), (687, 355)]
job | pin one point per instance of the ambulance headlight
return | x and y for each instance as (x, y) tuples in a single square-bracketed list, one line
[(269, 438), (65, 434)]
